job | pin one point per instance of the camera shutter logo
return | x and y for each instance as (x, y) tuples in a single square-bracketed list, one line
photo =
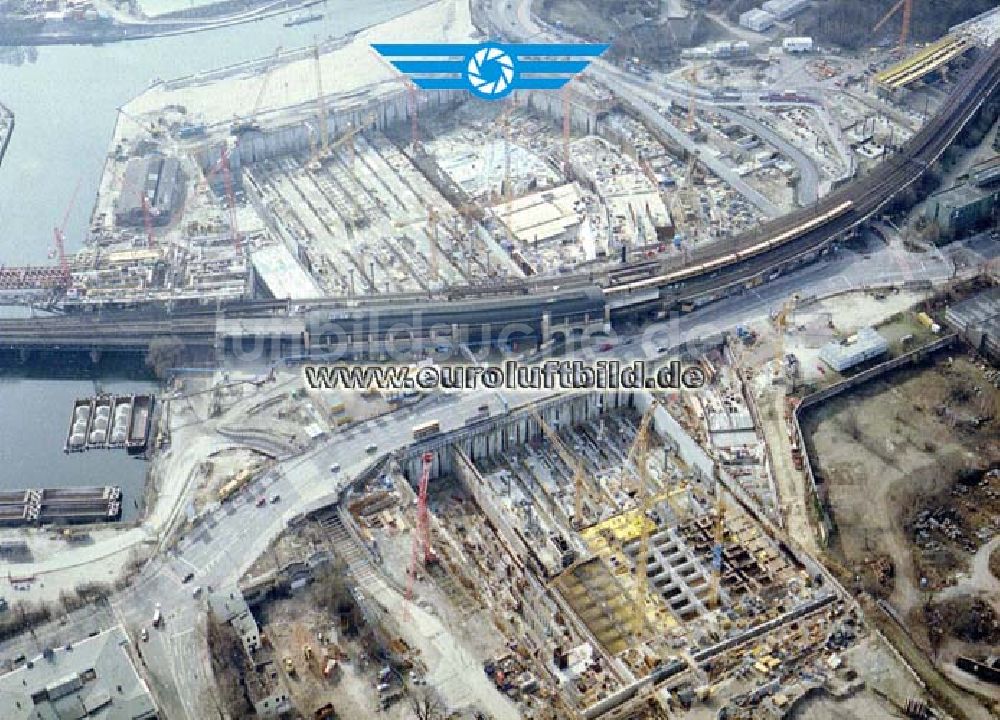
[(490, 71)]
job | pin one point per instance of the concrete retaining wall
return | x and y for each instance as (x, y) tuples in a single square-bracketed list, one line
[(912, 357)]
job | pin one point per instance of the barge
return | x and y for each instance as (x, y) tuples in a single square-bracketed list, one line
[(110, 422), (60, 505)]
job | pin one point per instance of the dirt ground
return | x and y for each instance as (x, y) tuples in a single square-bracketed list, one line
[(289, 624), (584, 16), (895, 448)]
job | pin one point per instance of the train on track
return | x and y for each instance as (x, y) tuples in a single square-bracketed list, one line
[(640, 277)]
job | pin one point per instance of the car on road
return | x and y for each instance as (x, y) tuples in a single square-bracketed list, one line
[(144, 634), (335, 468), (371, 449), (275, 498), (196, 592), (261, 501), (188, 578)]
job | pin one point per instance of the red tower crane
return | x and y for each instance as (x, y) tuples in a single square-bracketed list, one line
[(227, 176), (411, 91), (147, 219), (59, 234), (421, 552)]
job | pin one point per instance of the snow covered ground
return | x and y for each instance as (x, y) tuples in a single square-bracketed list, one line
[(349, 68)]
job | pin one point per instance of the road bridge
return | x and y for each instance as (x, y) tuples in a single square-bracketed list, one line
[(540, 306)]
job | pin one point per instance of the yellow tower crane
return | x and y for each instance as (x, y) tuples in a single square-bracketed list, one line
[(320, 103), (250, 122), (780, 324), (639, 452), (319, 153), (719, 534), (580, 487)]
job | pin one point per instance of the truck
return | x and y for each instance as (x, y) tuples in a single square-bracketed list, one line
[(426, 430), (157, 616)]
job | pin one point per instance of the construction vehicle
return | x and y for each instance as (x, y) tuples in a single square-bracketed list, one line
[(324, 712), (289, 665)]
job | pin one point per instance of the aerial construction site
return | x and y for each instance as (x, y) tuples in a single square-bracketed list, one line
[(761, 264)]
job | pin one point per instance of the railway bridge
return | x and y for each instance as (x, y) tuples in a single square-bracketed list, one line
[(538, 310)]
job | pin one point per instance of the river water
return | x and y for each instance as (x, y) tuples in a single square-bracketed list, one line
[(66, 103)]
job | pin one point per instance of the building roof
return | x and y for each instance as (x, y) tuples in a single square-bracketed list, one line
[(541, 215), (986, 172), (864, 345), (960, 195), (95, 679), (756, 16), (978, 316), (282, 275)]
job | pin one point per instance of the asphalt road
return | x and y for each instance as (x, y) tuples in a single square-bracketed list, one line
[(229, 539), (516, 22)]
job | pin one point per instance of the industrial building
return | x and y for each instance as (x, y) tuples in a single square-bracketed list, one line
[(757, 20), (264, 690), (864, 345), (94, 679), (978, 320), (151, 190), (636, 210), (797, 44), (550, 216), (986, 173), (784, 9), (963, 208), (278, 275)]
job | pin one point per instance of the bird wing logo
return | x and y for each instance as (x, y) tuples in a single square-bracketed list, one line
[(490, 71)]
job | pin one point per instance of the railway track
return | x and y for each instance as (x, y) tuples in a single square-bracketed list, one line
[(628, 288)]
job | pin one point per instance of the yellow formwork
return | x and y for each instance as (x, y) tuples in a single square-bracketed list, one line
[(606, 540), (919, 64)]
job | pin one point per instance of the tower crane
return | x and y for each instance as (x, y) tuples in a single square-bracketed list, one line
[(904, 30), (692, 77), (579, 476), (639, 452), (718, 536), (324, 151), (147, 218), (780, 324), (433, 220), (320, 103), (59, 235), (240, 126), (421, 551)]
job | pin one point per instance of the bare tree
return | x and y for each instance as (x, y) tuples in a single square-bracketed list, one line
[(426, 706)]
